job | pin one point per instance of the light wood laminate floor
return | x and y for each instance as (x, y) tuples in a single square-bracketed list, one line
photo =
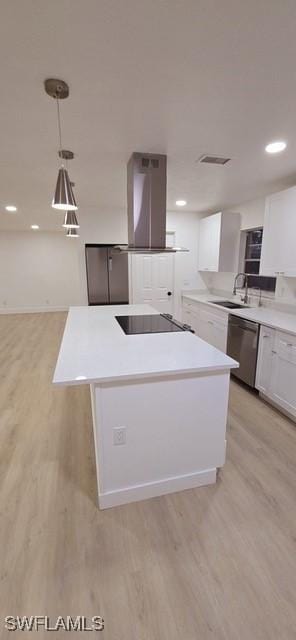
[(217, 562)]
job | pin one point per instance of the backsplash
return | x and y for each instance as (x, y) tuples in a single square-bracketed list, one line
[(284, 297)]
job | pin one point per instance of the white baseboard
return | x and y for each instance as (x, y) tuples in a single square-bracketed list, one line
[(158, 488), (277, 406), (47, 309)]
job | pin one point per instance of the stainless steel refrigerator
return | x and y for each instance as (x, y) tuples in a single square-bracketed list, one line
[(107, 275)]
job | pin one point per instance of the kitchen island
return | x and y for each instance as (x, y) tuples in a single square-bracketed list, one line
[(159, 403)]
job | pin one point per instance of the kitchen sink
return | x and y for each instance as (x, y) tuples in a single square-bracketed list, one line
[(228, 304)]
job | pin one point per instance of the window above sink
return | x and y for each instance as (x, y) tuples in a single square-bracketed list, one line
[(251, 261)]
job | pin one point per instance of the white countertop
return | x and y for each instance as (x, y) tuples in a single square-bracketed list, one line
[(94, 348), (269, 317)]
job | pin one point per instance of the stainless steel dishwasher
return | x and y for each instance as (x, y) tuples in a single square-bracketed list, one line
[(242, 345)]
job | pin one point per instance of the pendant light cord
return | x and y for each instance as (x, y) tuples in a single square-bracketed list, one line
[(59, 126)]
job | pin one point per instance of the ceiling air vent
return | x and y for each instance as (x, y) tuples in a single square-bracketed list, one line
[(213, 159)]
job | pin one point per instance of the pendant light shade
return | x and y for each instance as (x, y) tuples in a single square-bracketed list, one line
[(64, 199), (70, 221), (72, 233)]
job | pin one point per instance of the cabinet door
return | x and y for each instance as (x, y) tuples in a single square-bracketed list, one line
[(195, 321), (186, 315), (190, 315), (219, 335), (204, 328), (213, 330), (278, 246), (264, 360), (283, 377), (209, 243)]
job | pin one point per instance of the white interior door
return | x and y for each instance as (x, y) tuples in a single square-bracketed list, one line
[(152, 280)]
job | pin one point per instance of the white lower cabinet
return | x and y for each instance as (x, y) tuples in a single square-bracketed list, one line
[(276, 362), (208, 324), (276, 368), (190, 313), (264, 359), (213, 328)]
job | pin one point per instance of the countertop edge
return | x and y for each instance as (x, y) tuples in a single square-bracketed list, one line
[(241, 313), (149, 375)]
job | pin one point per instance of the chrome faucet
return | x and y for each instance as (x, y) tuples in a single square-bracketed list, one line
[(241, 273)]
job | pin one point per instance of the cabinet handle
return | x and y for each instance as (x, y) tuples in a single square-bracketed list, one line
[(272, 351), (288, 344), (265, 336), (210, 322)]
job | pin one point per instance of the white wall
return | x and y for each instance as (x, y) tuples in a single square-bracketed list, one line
[(42, 271), (39, 271), (46, 271), (186, 227)]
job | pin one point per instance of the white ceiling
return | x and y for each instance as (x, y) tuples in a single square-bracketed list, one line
[(181, 77)]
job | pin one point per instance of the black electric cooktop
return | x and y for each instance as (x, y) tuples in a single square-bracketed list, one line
[(149, 324)]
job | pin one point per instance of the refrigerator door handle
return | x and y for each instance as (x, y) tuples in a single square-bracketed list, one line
[(110, 264)]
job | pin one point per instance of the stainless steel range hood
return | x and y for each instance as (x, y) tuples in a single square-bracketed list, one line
[(146, 205)]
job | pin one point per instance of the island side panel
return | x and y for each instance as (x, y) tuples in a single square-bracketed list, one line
[(95, 408), (175, 435)]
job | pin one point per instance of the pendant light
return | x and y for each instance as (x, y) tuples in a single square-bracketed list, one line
[(72, 233), (70, 221), (63, 199)]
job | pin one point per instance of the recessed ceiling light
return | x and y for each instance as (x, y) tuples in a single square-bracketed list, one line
[(11, 208), (181, 203), (35, 227), (275, 147)]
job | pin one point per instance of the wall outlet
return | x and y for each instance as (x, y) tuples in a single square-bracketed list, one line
[(119, 435)]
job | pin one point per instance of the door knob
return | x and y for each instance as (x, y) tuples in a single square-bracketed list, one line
[(169, 293)]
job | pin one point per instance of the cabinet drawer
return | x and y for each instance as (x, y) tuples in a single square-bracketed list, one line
[(213, 329), (190, 305), (220, 317)]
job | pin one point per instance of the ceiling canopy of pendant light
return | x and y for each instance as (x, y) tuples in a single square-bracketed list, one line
[(71, 221), (64, 199), (72, 233)]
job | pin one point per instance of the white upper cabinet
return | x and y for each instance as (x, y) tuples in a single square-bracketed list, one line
[(219, 238), (278, 256)]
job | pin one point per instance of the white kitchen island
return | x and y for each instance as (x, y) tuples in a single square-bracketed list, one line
[(159, 403)]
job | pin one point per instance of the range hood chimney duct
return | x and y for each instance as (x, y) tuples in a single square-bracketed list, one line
[(146, 204)]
